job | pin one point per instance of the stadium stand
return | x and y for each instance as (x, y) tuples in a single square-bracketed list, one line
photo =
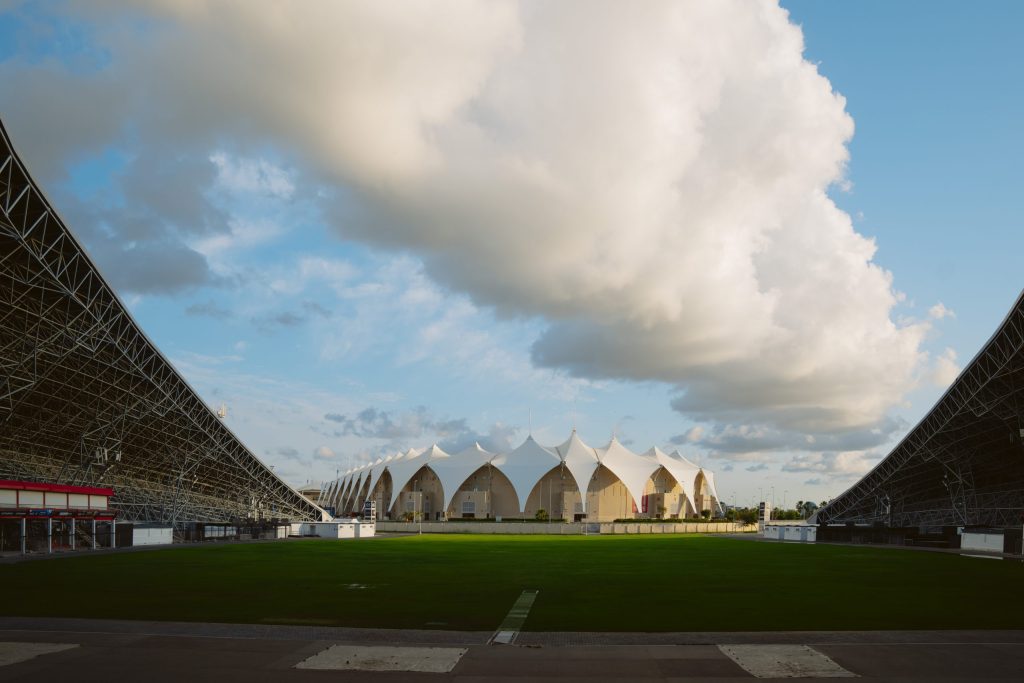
[(86, 399)]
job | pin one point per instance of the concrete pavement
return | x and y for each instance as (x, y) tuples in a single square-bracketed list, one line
[(158, 651)]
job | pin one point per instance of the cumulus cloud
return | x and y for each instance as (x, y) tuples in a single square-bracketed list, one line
[(209, 309), (693, 435), (651, 181), (252, 175), (406, 428), (846, 465), (729, 439), (288, 453), (939, 311), (157, 267), (323, 453), (945, 368), (269, 323)]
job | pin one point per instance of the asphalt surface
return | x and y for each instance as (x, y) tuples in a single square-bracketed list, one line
[(158, 651)]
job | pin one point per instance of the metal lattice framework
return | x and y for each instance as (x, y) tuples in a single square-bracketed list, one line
[(963, 464), (87, 398)]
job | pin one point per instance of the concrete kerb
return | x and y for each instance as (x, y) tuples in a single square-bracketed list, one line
[(371, 636)]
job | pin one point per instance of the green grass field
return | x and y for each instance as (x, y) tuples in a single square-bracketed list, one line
[(617, 583)]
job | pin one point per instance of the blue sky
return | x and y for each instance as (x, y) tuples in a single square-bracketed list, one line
[(349, 283)]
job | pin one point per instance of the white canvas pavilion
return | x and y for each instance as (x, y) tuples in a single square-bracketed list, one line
[(402, 470), (454, 470), (681, 469), (524, 467), (632, 470), (581, 461)]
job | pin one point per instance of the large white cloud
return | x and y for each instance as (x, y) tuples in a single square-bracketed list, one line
[(649, 178)]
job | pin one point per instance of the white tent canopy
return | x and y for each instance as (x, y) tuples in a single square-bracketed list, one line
[(455, 470), (525, 466), (710, 479), (633, 470), (581, 461), (405, 469), (681, 469), (377, 470)]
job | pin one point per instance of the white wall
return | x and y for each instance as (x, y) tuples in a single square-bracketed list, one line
[(991, 542), (152, 535), (638, 527), (344, 529), (802, 533)]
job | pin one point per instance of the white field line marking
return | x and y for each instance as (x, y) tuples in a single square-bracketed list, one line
[(784, 661), (13, 653), (384, 658), (514, 620)]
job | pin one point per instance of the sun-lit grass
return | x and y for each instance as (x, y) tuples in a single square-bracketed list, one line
[(619, 583)]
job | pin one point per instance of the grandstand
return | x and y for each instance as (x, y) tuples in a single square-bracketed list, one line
[(961, 467), (86, 399)]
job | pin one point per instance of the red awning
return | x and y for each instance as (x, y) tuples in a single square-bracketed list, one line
[(54, 488)]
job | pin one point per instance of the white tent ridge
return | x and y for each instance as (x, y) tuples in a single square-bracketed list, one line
[(524, 467)]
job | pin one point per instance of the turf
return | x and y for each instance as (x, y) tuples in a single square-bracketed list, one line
[(619, 583)]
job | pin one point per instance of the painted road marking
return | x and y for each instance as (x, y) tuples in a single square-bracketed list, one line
[(784, 661), (361, 658), (12, 653), (514, 620)]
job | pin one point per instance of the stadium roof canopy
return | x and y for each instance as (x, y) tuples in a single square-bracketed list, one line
[(963, 464), (87, 399)]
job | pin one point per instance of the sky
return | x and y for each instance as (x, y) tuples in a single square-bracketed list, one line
[(767, 236)]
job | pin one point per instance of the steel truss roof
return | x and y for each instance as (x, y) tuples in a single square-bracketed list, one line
[(963, 464), (87, 398)]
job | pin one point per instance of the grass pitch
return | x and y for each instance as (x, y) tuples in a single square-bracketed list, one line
[(611, 583)]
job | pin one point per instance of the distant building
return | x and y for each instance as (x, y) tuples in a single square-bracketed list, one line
[(474, 483)]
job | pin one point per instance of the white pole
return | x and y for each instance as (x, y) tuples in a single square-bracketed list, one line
[(49, 534), (72, 533), (113, 533), (94, 533), (24, 531)]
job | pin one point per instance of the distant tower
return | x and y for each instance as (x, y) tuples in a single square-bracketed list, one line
[(222, 411)]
